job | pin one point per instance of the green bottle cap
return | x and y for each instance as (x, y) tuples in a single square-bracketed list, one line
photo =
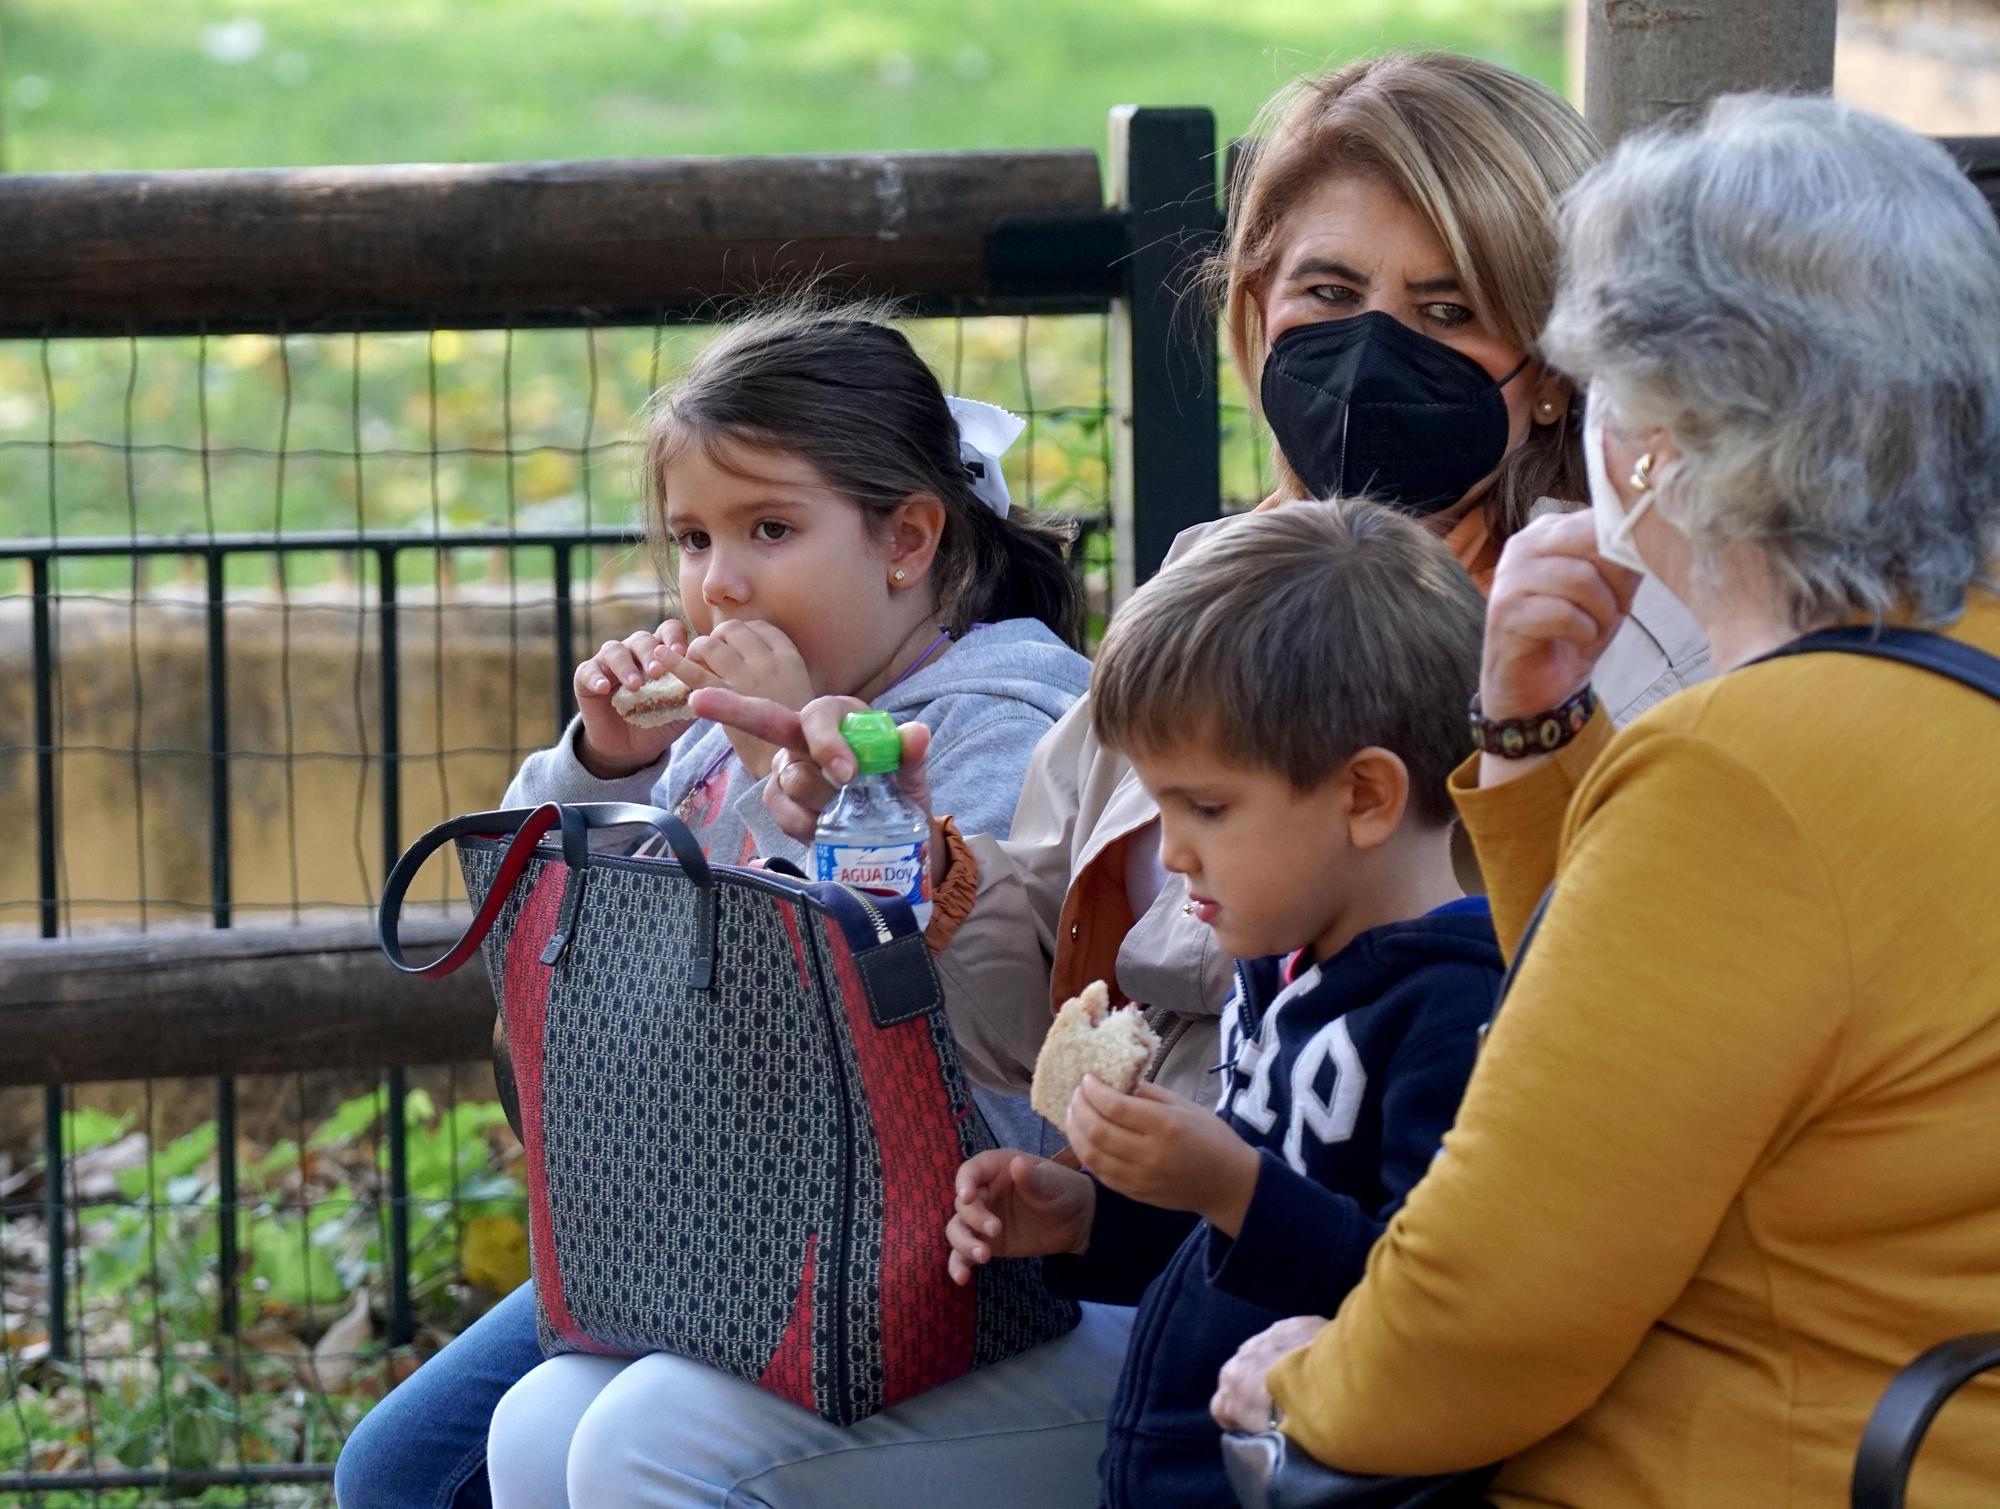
[(878, 748)]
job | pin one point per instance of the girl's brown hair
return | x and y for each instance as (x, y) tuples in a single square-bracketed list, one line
[(844, 391), (1480, 152)]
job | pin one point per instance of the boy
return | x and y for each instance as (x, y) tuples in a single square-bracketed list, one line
[(1293, 697)]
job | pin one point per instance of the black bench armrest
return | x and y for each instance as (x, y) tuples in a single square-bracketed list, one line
[(1269, 1472), (1905, 1411)]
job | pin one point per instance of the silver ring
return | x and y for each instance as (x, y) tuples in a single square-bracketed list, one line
[(790, 765), (1276, 1418)]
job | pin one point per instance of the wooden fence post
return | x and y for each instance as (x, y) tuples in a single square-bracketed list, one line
[(1645, 59), (1166, 445)]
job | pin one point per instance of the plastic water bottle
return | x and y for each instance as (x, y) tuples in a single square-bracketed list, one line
[(873, 837)]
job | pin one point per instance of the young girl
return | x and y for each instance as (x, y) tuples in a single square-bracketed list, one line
[(840, 526), (834, 531)]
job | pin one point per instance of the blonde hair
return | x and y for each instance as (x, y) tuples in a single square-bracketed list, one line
[(1482, 153)]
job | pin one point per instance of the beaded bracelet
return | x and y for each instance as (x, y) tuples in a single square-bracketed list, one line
[(1544, 733)]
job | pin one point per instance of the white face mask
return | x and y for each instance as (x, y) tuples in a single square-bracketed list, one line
[(1614, 524)]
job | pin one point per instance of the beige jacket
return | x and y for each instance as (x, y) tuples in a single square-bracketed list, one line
[(1050, 913)]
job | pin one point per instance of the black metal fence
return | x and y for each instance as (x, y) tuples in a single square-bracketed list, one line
[(261, 641)]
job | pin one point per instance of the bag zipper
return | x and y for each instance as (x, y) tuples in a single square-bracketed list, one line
[(875, 917), (832, 997), (770, 883)]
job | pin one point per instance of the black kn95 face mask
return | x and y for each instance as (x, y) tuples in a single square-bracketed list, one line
[(1367, 407)]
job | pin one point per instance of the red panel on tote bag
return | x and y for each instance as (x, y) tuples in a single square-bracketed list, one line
[(743, 1114)]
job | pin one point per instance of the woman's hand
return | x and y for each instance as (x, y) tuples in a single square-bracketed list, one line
[(1242, 1399), (753, 659), (1163, 1150), (611, 747), (1553, 611), (812, 761), (1009, 1204)]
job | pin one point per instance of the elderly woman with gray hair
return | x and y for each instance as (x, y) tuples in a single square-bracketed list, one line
[(1731, 1155)]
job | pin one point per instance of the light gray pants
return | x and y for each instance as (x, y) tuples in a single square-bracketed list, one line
[(606, 1433)]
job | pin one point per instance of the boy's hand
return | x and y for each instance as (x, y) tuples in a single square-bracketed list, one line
[(611, 747), (1163, 1149), (752, 659), (1012, 1205)]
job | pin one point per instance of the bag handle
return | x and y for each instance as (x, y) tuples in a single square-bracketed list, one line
[(633, 814), (694, 864), (529, 825)]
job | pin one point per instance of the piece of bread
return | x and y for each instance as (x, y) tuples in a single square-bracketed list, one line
[(1088, 1037), (654, 704)]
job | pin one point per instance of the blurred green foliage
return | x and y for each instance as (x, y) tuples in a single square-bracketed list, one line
[(103, 84)]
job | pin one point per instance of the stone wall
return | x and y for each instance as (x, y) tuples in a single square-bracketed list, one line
[(305, 807)]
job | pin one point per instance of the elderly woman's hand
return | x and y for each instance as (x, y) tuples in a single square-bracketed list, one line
[(1242, 1400), (1554, 609)]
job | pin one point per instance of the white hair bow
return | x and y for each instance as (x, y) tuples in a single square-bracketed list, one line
[(984, 433)]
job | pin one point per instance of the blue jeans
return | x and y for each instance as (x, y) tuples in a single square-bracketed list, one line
[(424, 1446)]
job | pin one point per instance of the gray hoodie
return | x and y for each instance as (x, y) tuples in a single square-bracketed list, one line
[(988, 699)]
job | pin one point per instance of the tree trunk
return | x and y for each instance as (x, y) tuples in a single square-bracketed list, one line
[(1645, 59)]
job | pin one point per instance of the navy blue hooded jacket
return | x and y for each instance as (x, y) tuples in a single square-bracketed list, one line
[(1344, 1078)]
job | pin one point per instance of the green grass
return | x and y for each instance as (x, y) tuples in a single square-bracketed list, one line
[(129, 84), (138, 84)]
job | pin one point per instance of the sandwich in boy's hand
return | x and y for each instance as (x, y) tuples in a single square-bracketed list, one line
[(1088, 1037), (654, 704)]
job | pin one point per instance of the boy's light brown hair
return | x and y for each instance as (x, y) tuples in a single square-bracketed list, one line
[(1295, 638)]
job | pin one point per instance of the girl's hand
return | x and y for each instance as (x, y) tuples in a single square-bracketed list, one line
[(610, 747), (812, 760), (1164, 1150), (1012, 1205), (1554, 608), (753, 659), (1242, 1399)]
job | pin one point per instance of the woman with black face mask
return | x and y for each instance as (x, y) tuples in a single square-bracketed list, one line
[(1391, 258)]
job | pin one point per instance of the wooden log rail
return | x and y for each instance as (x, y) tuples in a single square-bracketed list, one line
[(171, 1005), (557, 243)]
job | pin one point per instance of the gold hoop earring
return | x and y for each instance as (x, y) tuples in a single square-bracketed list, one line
[(1642, 473), (899, 575)]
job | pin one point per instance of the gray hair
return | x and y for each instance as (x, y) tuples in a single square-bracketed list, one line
[(1807, 298), (1296, 638)]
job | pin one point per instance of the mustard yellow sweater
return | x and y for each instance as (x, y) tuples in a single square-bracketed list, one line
[(1731, 1155)]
